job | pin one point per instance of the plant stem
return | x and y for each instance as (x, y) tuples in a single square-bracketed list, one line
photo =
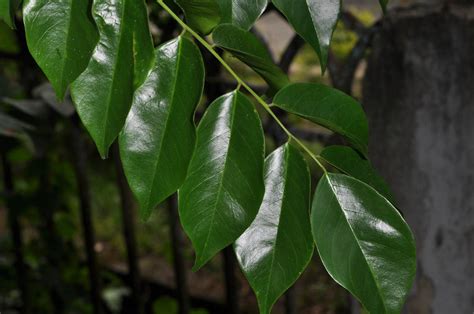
[(240, 81)]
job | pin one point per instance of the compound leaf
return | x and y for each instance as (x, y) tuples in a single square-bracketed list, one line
[(328, 107), (224, 188), (103, 93), (277, 247), (363, 242), (158, 139), (61, 37)]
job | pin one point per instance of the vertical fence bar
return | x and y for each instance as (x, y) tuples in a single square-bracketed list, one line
[(79, 160), (128, 219), (179, 266), (17, 237), (231, 284)]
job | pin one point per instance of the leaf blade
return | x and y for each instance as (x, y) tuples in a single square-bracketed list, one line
[(224, 188), (158, 139), (119, 64), (328, 107), (61, 38), (248, 49), (242, 13), (202, 15), (364, 243), (310, 22), (7, 11), (281, 232), (351, 163)]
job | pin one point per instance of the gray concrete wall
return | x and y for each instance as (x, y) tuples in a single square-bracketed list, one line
[(419, 95)]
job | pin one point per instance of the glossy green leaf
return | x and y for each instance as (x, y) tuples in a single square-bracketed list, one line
[(224, 188), (350, 162), (277, 247), (242, 13), (328, 107), (103, 93), (61, 38), (7, 11), (158, 139), (248, 49), (314, 20), (201, 15), (324, 14), (363, 242)]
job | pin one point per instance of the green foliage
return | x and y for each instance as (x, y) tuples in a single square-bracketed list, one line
[(119, 65), (242, 13), (228, 193), (224, 187), (61, 43), (248, 49), (328, 107), (280, 236), (364, 243), (201, 15), (162, 111), (7, 11)]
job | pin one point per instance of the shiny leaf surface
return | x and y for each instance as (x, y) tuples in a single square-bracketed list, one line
[(201, 15), (277, 247), (324, 14), (328, 107), (363, 242), (61, 37), (224, 188), (7, 11), (103, 93), (158, 139), (346, 160), (313, 20), (248, 49), (242, 13)]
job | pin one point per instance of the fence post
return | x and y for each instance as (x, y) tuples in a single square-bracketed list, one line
[(178, 259), (128, 219), (79, 160), (17, 237)]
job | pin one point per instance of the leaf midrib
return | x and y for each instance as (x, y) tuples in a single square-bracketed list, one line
[(173, 93), (219, 191), (358, 244), (287, 153)]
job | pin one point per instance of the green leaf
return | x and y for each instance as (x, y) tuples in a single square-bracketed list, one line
[(201, 15), (248, 49), (328, 107), (242, 13), (277, 247), (324, 14), (347, 160), (363, 242), (103, 93), (224, 188), (383, 4), (314, 20), (7, 11), (158, 139), (61, 38)]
